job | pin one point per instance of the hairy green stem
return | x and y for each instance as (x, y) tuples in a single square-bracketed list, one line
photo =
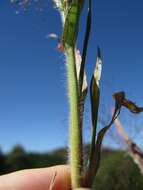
[(75, 130)]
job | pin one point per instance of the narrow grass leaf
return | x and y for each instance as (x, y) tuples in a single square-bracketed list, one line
[(120, 100), (95, 162), (94, 98), (85, 45), (82, 96)]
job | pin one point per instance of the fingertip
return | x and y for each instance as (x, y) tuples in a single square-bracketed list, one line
[(38, 179), (62, 178)]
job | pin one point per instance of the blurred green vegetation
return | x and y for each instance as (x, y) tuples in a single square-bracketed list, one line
[(18, 159), (117, 170)]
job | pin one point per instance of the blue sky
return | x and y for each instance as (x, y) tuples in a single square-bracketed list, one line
[(33, 95)]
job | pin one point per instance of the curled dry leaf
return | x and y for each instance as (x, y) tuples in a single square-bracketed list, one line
[(132, 106), (120, 99)]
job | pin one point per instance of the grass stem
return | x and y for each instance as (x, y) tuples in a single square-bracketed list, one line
[(75, 130)]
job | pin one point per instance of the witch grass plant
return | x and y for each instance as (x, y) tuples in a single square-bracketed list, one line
[(83, 173), (82, 176)]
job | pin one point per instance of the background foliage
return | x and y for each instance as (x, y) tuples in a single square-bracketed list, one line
[(117, 168)]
